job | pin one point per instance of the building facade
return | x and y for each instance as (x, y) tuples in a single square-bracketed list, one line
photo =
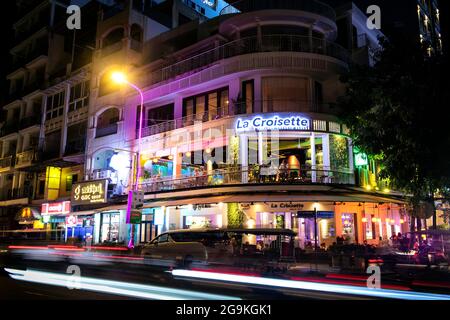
[(240, 130), (239, 126), (44, 129)]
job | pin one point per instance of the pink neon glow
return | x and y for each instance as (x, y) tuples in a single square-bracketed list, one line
[(109, 248), (28, 247)]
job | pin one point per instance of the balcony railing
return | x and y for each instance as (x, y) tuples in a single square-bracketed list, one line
[(312, 6), (9, 128), (20, 193), (185, 121), (6, 162), (260, 176), (106, 131), (272, 105), (26, 158), (254, 44)]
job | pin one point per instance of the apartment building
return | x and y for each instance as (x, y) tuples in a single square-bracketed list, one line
[(240, 129)]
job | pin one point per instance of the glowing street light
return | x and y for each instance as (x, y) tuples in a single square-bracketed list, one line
[(121, 78)]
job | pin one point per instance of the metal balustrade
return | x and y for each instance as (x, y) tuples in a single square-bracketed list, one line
[(106, 131), (261, 176), (26, 158), (6, 162), (270, 105), (312, 6), (254, 44)]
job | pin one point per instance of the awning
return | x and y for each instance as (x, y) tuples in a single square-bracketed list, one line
[(276, 198)]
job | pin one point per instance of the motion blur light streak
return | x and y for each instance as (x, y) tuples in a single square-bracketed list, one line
[(112, 287), (303, 285)]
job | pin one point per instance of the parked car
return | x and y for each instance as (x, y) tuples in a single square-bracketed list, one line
[(221, 246)]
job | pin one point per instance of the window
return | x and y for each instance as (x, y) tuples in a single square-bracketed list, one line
[(70, 180), (109, 231), (248, 96), (158, 115), (79, 96), (206, 106), (162, 238), (107, 122), (113, 37), (55, 105), (285, 94)]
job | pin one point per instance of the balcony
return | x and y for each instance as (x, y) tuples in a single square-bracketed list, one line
[(279, 105), (9, 128), (20, 193), (252, 176), (26, 158), (75, 147), (185, 121), (6, 163), (254, 44), (106, 51), (106, 131), (34, 120), (316, 7)]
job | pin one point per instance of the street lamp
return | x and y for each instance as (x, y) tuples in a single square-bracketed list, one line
[(120, 78)]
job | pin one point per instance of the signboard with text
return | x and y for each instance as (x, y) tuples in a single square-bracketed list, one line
[(311, 214), (90, 192), (55, 208)]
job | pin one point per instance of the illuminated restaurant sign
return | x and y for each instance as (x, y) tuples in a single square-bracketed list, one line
[(90, 192), (210, 3), (56, 208), (260, 123)]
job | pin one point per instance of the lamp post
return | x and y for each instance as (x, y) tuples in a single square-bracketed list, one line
[(120, 78)]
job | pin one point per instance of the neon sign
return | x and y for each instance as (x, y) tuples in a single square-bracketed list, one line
[(56, 208), (260, 123), (90, 192), (210, 3)]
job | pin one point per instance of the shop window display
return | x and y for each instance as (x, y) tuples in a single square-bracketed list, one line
[(109, 231)]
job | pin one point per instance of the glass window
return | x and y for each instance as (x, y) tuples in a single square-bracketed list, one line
[(206, 106), (284, 94), (200, 107), (69, 182), (248, 91), (109, 231), (212, 105), (79, 95), (163, 238), (55, 105), (224, 102)]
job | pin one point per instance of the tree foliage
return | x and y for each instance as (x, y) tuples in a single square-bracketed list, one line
[(398, 110)]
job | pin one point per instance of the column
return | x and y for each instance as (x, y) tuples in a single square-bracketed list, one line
[(64, 124), (313, 157), (243, 155), (178, 109), (326, 153), (177, 162), (351, 161), (260, 149)]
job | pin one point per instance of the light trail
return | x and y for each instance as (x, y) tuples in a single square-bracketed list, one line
[(112, 287), (313, 286)]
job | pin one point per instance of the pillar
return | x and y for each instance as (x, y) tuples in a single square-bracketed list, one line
[(313, 157)]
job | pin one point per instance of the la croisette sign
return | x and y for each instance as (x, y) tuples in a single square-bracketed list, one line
[(90, 192), (276, 123)]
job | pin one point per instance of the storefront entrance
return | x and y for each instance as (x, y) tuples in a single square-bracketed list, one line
[(109, 227)]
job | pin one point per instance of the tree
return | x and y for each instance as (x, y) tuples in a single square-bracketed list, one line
[(397, 110)]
